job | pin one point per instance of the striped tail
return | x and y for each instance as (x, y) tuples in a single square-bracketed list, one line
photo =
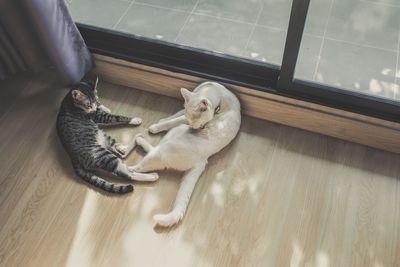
[(101, 183)]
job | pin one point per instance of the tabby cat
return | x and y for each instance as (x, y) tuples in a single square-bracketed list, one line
[(88, 146)]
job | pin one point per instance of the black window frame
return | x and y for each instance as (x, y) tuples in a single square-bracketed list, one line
[(239, 71)]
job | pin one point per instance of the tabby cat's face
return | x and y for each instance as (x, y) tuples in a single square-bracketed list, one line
[(85, 97)]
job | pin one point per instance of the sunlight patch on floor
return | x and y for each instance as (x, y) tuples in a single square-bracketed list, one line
[(80, 251)]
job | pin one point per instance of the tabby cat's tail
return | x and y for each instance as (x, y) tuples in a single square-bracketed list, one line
[(101, 183)]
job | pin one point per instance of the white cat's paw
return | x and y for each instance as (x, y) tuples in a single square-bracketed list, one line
[(154, 129), (168, 220), (136, 121), (139, 135)]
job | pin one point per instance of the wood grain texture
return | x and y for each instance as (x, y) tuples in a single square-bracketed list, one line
[(304, 115), (277, 196)]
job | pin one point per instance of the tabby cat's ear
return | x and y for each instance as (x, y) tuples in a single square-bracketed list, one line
[(78, 96), (186, 94), (96, 81), (93, 83)]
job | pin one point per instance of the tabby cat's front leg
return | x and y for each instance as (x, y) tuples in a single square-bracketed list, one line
[(102, 117)]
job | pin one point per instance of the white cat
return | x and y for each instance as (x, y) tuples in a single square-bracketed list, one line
[(209, 122)]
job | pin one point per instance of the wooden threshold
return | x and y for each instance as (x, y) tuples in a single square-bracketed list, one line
[(337, 123)]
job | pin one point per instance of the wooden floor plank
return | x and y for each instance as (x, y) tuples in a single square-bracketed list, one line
[(277, 196)]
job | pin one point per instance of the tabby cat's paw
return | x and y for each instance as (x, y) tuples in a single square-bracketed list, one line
[(121, 149), (136, 121), (168, 220), (154, 129)]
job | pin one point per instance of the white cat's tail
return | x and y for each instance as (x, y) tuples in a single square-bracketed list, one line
[(186, 188)]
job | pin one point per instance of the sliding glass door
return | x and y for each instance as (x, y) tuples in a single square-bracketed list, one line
[(355, 47), (250, 29), (338, 53)]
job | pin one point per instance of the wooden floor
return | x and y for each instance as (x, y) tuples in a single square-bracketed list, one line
[(277, 196)]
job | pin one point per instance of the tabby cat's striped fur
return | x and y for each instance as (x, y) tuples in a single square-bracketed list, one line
[(88, 146)]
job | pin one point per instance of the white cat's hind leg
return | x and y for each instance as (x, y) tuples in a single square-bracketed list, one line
[(125, 150), (186, 188), (141, 141), (151, 162), (167, 220)]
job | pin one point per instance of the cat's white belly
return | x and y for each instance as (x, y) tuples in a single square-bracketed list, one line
[(101, 139), (177, 154)]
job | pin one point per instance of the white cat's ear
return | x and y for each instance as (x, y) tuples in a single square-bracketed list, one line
[(203, 105), (186, 94)]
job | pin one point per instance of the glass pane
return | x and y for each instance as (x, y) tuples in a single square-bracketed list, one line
[(254, 29), (353, 45)]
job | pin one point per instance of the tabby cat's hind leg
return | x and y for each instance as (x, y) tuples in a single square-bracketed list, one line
[(99, 182), (103, 159)]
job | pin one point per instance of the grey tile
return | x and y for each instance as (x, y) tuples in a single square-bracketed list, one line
[(186, 5), (317, 17), (364, 23), (153, 22), (308, 57), (245, 11), (267, 45), (214, 34), (358, 68), (101, 13), (389, 2), (276, 14)]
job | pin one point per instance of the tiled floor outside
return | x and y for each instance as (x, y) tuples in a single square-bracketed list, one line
[(353, 44)]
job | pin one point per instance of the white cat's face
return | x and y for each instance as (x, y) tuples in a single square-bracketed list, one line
[(198, 110)]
